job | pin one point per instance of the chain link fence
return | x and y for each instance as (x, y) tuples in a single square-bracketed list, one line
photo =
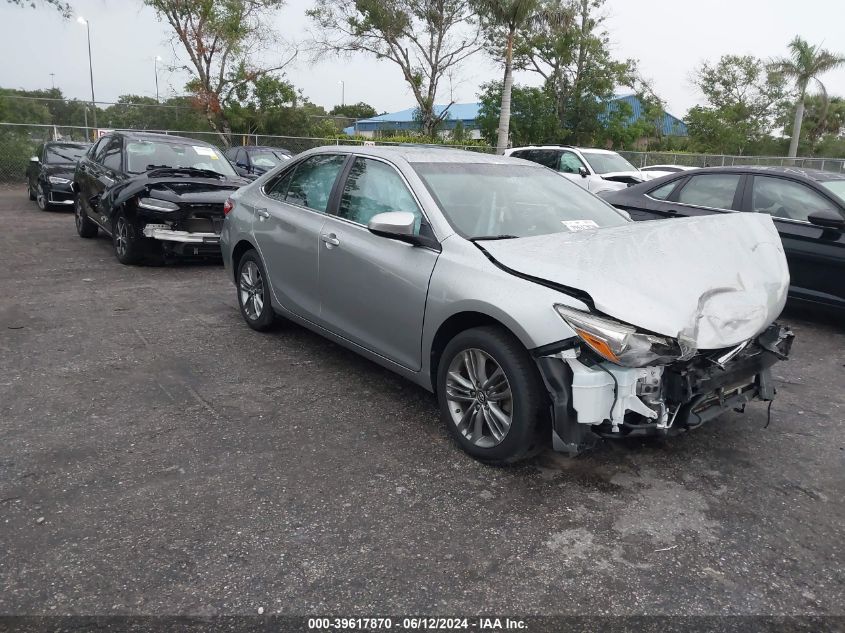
[(19, 142), (642, 159)]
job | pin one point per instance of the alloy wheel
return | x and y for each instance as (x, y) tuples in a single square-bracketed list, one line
[(252, 290), (78, 215), (40, 198), (479, 397), (121, 236)]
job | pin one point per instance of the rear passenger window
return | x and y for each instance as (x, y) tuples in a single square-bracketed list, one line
[(312, 181), (661, 193), (710, 190), (278, 188)]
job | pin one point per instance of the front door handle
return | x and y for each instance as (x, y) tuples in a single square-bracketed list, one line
[(263, 214), (330, 240)]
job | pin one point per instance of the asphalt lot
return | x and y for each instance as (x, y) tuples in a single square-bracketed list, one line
[(158, 457)]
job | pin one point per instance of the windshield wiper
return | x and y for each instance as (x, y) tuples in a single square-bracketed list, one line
[(208, 172), (494, 237)]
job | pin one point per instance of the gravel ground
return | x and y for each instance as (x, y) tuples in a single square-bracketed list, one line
[(158, 457)]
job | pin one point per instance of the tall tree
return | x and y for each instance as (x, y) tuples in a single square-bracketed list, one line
[(506, 16), (743, 97), (570, 50), (358, 110), (804, 64), (222, 39), (427, 39), (62, 7), (533, 118)]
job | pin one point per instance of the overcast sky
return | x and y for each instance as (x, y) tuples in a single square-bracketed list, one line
[(668, 37)]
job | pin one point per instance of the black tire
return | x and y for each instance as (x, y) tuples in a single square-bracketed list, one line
[(259, 320), (128, 245), (29, 190), (84, 226), (41, 197), (529, 426)]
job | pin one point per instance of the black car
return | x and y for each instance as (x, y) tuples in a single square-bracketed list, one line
[(49, 175), (254, 160), (807, 206), (154, 194)]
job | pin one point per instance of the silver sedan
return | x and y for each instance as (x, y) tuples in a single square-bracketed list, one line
[(533, 309)]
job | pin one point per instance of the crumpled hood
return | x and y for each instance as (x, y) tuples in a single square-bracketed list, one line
[(714, 280), (59, 170)]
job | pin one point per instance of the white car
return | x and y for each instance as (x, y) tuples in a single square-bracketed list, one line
[(595, 170), (658, 171)]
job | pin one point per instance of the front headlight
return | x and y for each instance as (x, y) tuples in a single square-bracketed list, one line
[(157, 205), (55, 180), (618, 342)]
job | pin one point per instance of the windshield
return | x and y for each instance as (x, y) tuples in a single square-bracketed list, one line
[(268, 158), (606, 163), (65, 153), (836, 186), (484, 200), (141, 155)]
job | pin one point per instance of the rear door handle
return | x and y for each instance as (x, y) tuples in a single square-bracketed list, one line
[(263, 214), (330, 240)]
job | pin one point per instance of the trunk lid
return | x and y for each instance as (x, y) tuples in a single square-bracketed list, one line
[(714, 280)]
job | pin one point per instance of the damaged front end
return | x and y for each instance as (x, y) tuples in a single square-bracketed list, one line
[(652, 386)]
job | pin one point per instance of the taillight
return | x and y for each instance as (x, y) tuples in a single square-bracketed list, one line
[(228, 206)]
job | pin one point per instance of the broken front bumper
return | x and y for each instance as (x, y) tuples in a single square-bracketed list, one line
[(592, 398), (166, 234)]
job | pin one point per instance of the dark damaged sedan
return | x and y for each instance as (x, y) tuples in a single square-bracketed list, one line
[(154, 194), (49, 175)]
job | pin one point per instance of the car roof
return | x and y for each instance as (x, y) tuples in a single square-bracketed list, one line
[(251, 148), (795, 172), (67, 143), (420, 154), (596, 150), (162, 138)]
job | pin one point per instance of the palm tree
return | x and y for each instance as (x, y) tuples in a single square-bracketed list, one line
[(805, 63), (510, 15)]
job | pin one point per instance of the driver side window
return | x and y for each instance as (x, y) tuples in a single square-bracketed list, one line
[(569, 163), (313, 180), (374, 187), (786, 199)]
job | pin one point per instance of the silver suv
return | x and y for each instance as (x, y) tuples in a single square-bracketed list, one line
[(533, 309)]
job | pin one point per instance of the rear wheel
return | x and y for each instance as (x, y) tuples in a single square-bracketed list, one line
[(128, 245), (84, 226), (254, 293), (491, 397)]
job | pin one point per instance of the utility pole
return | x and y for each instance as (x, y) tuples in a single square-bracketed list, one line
[(87, 24)]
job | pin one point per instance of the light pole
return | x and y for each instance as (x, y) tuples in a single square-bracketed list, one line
[(87, 24), (156, 61), (342, 92)]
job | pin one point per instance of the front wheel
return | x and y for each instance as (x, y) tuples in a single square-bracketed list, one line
[(127, 245), (41, 197), (491, 396), (254, 293), (84, 226)]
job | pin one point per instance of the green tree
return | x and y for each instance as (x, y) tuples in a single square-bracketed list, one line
[(505, 18), (533, 117), (804, 64), (355, 111), (743, 96), (823, 123), (570, 49), (426, 39), (222, 40), (62, 7)]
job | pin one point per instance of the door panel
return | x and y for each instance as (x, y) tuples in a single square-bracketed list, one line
[(816, 256), (373, 289), (287, 230)]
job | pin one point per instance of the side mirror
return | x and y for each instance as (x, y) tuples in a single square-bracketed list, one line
[(34, 159), (397, 225), (242, 165), (827, 218), (583, 171)]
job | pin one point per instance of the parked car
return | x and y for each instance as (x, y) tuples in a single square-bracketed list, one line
[(252, 160), (807, 206), (529, 306), (658, 171), (49, 175), (154, 194), (595, 170)]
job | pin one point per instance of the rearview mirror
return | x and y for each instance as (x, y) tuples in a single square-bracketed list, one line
[(34, 159), (583, 171), (398, 225), (827, 218)]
